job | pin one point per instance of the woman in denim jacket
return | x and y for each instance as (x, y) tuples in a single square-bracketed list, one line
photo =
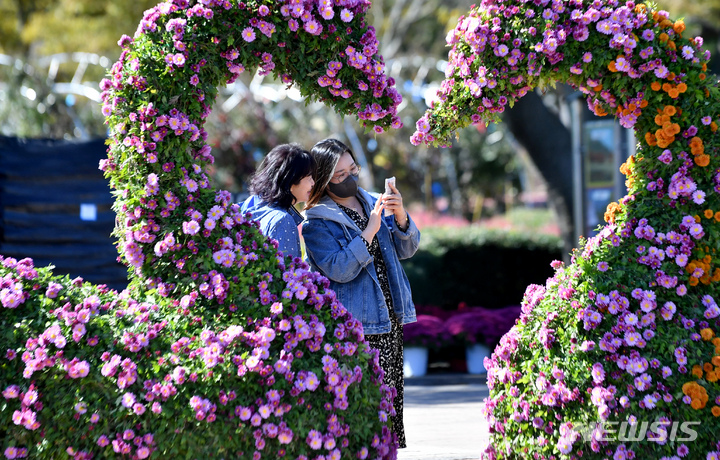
[(349, 241), (283, 179)]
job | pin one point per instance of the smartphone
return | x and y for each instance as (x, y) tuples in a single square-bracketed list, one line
[(388, 191)]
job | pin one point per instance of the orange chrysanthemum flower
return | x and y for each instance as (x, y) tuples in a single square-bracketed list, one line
[(679, 26), (671, 129), (715, 411), (697, 371), (709, 213), (682, 87), (697, 146), (702, 76), (655, 86), (663, 140), (611, 211), (702, 160), (707, 334), (661, 119)]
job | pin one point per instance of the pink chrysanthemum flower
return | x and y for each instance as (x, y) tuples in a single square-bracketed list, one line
[(248, 34), (312, 27), (346, 15)]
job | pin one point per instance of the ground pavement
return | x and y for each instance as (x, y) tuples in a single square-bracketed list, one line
[(443, 417)]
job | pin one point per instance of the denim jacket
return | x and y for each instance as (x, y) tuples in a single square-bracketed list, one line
[(334, 248), (277, 223)]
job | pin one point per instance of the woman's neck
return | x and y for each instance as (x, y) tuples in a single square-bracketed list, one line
[(347, 202), (351, 202)]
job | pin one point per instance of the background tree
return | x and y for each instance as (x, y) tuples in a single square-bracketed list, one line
[(412, 37), (536, 120), (33, 29)]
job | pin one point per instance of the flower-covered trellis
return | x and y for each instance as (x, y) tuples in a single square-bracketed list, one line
[(618, 355), (220, 347)]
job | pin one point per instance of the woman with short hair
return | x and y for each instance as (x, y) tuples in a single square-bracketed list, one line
[(283, 179)]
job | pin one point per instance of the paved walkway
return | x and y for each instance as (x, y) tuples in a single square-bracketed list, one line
[(443, 417)]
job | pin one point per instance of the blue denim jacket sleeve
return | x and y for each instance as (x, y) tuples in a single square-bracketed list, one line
[(340, 262), (406, 242), (285, 231)]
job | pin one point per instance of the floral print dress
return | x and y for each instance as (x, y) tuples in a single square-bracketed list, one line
[(390, 345)]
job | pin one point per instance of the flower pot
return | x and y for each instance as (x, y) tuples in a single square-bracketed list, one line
[(415, 361), (475, 355)]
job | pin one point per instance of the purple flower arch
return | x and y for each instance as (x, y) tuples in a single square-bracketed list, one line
[(220, 346), (619, 349)]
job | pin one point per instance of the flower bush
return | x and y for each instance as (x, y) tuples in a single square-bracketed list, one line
[(472, 325), (426, 332), (220, 347), (621, 346), (466, 328)]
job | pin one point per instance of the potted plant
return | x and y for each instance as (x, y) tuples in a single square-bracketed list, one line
[(469, 329), (418, 337)]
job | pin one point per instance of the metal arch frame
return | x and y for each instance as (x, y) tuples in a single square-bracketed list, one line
[(76, 86), (261, 91)]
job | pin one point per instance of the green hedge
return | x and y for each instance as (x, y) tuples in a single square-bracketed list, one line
[(479, 266)]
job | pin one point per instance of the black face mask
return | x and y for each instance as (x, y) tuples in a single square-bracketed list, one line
[(346, 188)]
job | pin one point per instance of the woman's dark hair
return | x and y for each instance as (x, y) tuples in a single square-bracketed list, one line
[(284, 166), (326, 153)]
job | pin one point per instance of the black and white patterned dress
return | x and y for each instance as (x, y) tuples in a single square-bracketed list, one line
[(389, 344)]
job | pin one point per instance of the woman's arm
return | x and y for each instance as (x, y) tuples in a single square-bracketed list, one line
[(405, 232), (407, 241), (339, 263)]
